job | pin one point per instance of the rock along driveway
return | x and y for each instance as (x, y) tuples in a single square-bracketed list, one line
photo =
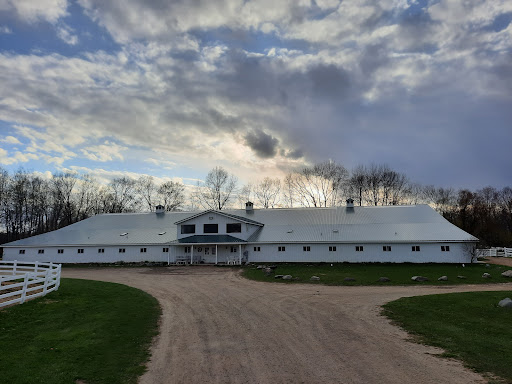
[(218, 327)]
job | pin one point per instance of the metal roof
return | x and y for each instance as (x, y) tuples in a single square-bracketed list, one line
[(222, 213), (387, 224)]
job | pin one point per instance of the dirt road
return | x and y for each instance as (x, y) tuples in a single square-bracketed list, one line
[(220, 328)]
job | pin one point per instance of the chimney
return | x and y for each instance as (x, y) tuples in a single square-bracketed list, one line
[(350, 205), (159, 209), (249, 207)]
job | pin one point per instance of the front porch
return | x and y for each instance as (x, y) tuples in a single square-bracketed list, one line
[(227, 254)]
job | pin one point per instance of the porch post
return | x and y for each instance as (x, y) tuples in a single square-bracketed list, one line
[(240, 253), (169, 255), (191, 254), (216, 254)]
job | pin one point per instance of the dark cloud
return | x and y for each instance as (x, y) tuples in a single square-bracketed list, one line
[(263, 144)]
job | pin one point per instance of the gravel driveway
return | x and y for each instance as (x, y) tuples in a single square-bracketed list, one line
[(218, 327)]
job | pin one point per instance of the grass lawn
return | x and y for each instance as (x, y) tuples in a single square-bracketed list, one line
[(468, 326), (368, 274), (87, 331)]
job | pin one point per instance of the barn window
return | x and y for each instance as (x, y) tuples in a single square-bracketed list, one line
[(359, 248), (101, 250), (332, 248), (21, 252), (188, 228), (122, 250), (143, 250), (415, 248), (234, 227), (233, 249), (187, 249), (281, 249), (165, 249), (445, 248), (306, 248), (386, 248), (40, 251), (210, 228), (60, 251), (80, 250), (257, 249)]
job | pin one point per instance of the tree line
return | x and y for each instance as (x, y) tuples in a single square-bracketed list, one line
[(31, 204)]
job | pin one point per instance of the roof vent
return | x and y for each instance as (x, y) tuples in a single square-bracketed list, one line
[(123, 234), (162, 233), (159, 209), (350, 203), (290, 231), (249, 207), (335, 231)]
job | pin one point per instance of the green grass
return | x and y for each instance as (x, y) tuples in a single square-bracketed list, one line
[(368, 274), (468, 326), (91, 331)]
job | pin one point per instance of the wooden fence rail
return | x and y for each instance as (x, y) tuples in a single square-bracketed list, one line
[(495, 252), (21, 280)]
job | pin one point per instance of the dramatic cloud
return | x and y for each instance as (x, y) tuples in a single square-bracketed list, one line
[(263, 144)]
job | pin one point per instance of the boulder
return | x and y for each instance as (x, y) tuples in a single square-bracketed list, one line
[(419, 278), (486, 275), (287, 277), (443, 278), (507, 273), (505, 303), (487, 266), (349, 279), (268, 271), (261, 267), (461, 277), (383, 279), (314, 278), (278, 276)]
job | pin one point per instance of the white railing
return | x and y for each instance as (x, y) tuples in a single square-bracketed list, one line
[(495, 252), (21, 280)]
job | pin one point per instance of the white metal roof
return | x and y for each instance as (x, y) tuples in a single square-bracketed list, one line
[(387, 224)]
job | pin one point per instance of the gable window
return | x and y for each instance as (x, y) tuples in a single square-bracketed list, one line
[(332, 248), (359, 248), (306, 248), (257, 249), (386, 248), (122, 250), (40, 251), (415, 248), (101, 250), (210, 228), (165, 249), (234, 248), (80, 250), (60, 251), (281, 249), (445, 248), (188, 228), (21, 251), (233, 227), (143, 250)]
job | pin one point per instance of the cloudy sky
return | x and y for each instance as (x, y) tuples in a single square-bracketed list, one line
[(172, 88)]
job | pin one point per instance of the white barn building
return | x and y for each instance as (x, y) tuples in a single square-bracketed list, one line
[(398, 234)]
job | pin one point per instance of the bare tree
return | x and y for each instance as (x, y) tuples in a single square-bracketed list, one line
[(146, 190), (122, 195), (217, 189), (245, 194), (171, 195), (358, 184), (267, 192)]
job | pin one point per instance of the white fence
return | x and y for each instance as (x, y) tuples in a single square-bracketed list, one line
[(495, 252), (20, 280)]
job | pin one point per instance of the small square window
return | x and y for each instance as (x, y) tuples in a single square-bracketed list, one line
[(165, 249), (332, 248), (306, 248), (101, 250), (359, 248), (445, 248), (257, 249), (386, 248), (60, 251), (21, 252), (415, 248), (234, 249), (80, 250), (281, 249), (143, 250), (122, 250), (40, 251)]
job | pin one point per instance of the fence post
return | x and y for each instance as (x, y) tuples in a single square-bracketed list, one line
[(45, 286), (24, 292), (58, 275), (36, 267), (14, 267)]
